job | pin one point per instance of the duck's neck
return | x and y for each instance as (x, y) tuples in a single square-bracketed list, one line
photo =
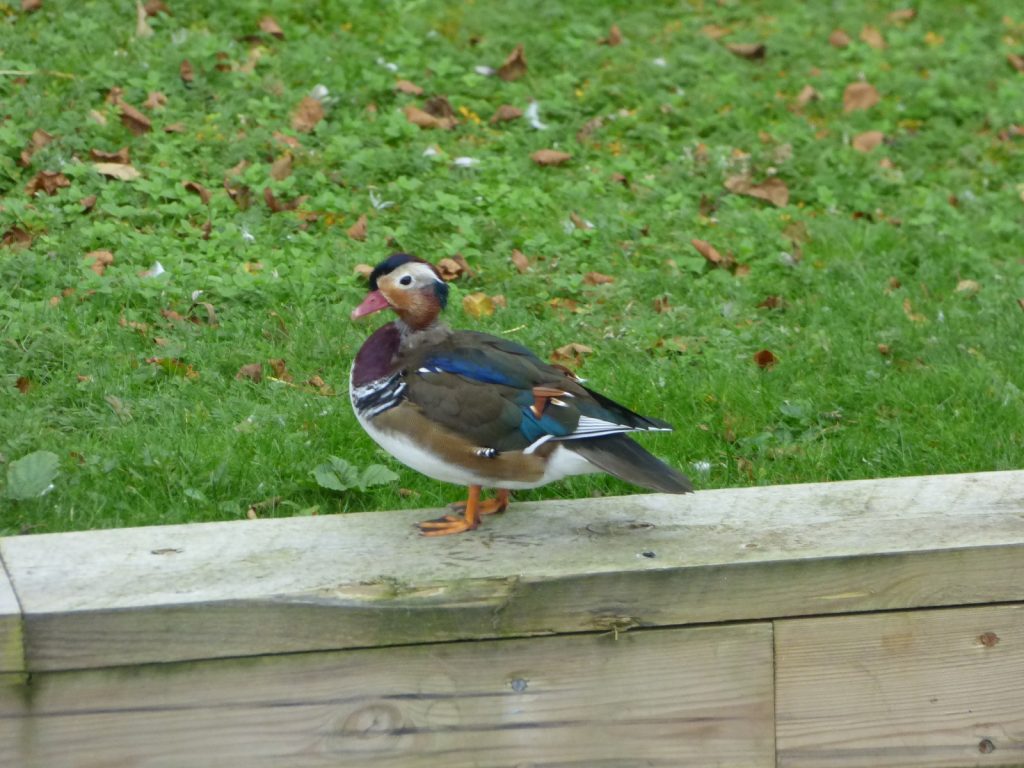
[(414, 338)]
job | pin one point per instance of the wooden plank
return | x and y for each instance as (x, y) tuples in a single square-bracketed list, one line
[(922, 688), (365, 580), (12, 654), (690, 697)]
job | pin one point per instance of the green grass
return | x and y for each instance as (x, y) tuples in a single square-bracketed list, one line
[(884, 248)]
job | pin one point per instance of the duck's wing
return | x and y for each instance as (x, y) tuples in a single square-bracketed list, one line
[(499, 395)]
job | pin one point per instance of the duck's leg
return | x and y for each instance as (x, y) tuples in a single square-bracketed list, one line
[(448, 524), (489, 507)]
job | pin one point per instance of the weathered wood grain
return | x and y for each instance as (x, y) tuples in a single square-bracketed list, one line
[(687, 697), (12, 655), (920, 688), (266, 586)]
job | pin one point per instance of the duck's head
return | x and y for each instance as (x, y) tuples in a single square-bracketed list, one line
[(408, 285)]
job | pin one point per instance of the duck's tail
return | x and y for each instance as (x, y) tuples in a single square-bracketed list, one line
[(627, 460)]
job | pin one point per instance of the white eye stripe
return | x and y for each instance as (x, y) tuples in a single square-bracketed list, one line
[(421, 274)]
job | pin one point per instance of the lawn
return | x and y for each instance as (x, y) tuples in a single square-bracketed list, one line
[(794, 231)]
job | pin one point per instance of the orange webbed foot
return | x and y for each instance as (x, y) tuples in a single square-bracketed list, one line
[(445, 526), (494, 506)]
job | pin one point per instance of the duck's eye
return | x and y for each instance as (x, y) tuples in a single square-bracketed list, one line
[(406, 280)]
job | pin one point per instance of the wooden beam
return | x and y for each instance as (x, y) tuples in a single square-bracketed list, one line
[(691, 697), (921, 688), (364, 580), (12, 654)]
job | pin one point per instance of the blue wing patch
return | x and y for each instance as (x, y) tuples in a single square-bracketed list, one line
[(471, 369)]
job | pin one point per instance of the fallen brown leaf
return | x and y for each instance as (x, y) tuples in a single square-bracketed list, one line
[(662, 304), (199, 189), (765, 358), (839, 38), (614, 36), (569, 305), (281, 168), (279, 206), (153, 7), (773, 190), (252, 371), (406, 86), (358, 230), (1020, 302), (597, 278), (520, 262), (37, 141), (770, 302), (859, 96), (715, 32), (122, 156), (362, 270), (211, 313), (902, 15), (269, 26), (87, 203), (884, 350), (419, 117), (908, 310), (174, 366), (571, 354), (175, 128), (439, 107), (588, 128), (186, 72), (1016, 61), (48, 182), (751, 51), (550, 157), (450, 269), (30, 6), (99, 261), (579, 222), (620, 178), (711, 254), (514, 66), (118, 171), (24, 384), (281, 138), (867, 141), (307, 114), (16, 237), (970, 287), (504, 113), (133, 119), (478, 305), (807, 95), (142, 28), (872, 37), (280, 370)]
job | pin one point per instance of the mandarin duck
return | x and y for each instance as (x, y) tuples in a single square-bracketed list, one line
[(477, 410)]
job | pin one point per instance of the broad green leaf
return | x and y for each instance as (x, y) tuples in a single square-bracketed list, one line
[(31, 476), (336, 474), (376, 474)]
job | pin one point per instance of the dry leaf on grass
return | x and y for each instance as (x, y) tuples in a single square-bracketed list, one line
[(751, 51), (807, 95), (872, 37), (363, 271), (118, 171), (439, 107), (765, 358), (614, 36), (715, 32), (280, 370), (252, 372), (571, 354), (514, 66), (269, 26), (37, 141), (902, 15), (912, 316), (199, 189), (1016, 61), (839, 39), (307, 114), (423, 119), (478, 305), (281, 168), (409, 87), (504, 113), (711, 254), (867, 141), (48, 182), (597, 278), (773, 190), (16, 237), (859, 96), (662, 304), (155, 100), (550, 157), (185, 71), (133, 119), (568, 305), (122, 156), (87, 203), (30, 6), (970, 287), (450, 269), (99, 261), (142, 28), (279, 206), (358, 230), (520, 262)]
